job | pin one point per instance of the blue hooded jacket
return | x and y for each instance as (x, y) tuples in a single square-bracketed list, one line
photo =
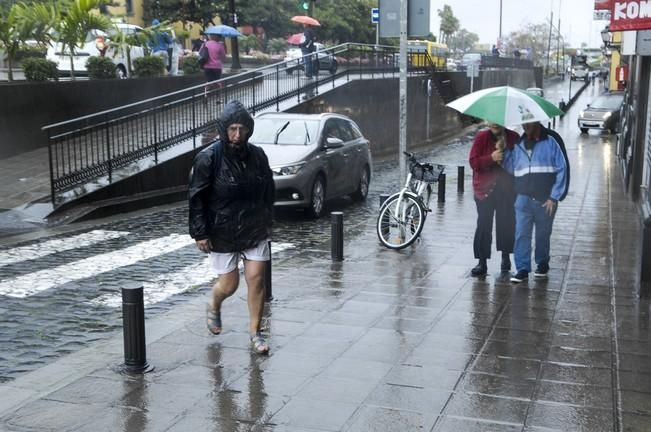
[(541, 174)]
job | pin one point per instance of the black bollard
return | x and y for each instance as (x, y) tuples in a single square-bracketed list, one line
[(460, 178), (267, 278), (383, 198), (133, 323), (441, 188), (337, 236)]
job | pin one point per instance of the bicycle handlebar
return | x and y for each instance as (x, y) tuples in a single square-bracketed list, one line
[(412, 158)]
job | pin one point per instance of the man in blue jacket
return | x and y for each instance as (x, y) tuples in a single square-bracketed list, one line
[(539, 168)]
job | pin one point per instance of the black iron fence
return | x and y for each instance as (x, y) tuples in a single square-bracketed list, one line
[(92, 148)]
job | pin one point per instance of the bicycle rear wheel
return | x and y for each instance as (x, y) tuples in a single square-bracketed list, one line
[(400, 222)]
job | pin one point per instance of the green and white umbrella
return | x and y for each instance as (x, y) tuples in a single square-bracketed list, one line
[(506, 106)]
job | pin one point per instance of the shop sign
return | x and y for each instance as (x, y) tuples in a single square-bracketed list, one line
[(630, 15)]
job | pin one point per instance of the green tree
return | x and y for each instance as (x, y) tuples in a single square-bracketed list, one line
[(197, 11), (345, 21), (462, 41), (531, 39), (273, 15), (76, 21), (20, 23), (449, 23)]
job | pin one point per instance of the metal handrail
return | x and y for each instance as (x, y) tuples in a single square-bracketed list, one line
[(93, 147)]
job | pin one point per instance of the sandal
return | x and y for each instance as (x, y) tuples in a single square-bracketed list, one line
[(259, 344), (213, 321)]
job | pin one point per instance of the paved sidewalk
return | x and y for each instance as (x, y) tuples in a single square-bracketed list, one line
[(393, 341)]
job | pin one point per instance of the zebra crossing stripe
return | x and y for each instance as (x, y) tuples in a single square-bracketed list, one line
[(41, 249), (34, 283), (169, 284)]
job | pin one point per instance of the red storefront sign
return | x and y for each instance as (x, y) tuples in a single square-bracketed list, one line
[(602, 4), (630, 15)]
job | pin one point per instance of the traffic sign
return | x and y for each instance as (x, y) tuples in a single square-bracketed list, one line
[(375, 15)]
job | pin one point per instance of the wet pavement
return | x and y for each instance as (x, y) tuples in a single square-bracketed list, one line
[(384, 341)]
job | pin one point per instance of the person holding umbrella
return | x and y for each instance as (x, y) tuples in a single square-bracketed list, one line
[(307, 48), (538, 163), (494, 196), (216, 54)]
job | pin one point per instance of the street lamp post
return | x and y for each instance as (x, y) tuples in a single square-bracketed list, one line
[(500, 32), (234, 45)]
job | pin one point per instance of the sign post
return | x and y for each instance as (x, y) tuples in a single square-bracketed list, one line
[(403, 90), (375, 19), (472, 71)]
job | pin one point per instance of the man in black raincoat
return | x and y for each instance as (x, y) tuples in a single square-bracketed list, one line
[(231, 197)]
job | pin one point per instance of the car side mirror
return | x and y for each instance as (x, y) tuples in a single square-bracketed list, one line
[(333, 143)]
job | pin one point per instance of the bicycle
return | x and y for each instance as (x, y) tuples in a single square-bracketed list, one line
[(402, 216)]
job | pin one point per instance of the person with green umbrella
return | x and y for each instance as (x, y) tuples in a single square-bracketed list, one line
[(494, 196), (540, 172)]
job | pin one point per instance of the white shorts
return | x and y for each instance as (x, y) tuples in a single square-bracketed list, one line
[(223, 263)]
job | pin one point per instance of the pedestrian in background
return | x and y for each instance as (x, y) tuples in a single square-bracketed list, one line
[(231, 196), (541, 174), (212, 68), (160, 42), (494, 196), (307, 46), (198, 43)]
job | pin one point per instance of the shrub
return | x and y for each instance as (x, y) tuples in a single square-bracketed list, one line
[(148, 66), (100, 68), (40, 69), (277, 45), (191, 65)]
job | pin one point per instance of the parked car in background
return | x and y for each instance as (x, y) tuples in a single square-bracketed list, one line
[(326, 60), (95, 41), (580, 72), (451, 64), (536, 90), (314, 158), (602, 113)]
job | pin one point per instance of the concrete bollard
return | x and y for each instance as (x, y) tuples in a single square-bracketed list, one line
[(133, 324), (268, 295), (337, 236), (441, 191), (460, 178), (645, 275)]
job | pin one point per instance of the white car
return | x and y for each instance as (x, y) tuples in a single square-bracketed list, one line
[(95, 39), (326, 61)]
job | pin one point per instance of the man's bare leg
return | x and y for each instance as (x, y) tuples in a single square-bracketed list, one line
[(254, 272), (225, 287)]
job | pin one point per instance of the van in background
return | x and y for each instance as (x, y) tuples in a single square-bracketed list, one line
[(469, 59)]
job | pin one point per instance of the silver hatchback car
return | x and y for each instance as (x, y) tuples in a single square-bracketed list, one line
[(314, 158)]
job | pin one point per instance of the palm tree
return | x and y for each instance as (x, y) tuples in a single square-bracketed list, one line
[(21, 23), (75, 23)]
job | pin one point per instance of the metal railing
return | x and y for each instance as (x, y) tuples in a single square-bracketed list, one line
[(94, 147)]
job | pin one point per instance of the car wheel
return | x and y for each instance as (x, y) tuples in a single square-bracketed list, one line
[(317, 198), (121, 72), (584, 130), (333, 67), (362, 188)]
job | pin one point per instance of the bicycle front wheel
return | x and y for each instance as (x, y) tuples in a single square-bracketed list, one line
[(400, 222)]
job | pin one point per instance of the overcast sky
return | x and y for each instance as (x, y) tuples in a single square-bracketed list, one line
[(482, 17)]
